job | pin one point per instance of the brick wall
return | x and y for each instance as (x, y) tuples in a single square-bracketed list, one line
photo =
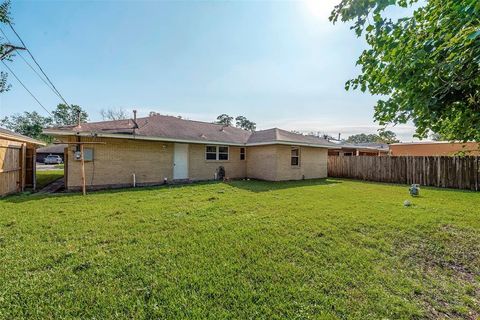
[(313, 163), (115, 163), (262, 162), (201, 169), (274, 163)]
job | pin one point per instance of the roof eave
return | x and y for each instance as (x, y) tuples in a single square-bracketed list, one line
[(290, 143), (136, 137), (164, 139)]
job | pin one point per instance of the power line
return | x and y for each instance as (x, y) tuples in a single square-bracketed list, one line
[(31, 67), (11, 71), (38, 65)]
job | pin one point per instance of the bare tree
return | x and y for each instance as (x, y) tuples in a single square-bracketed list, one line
[(114, 114)]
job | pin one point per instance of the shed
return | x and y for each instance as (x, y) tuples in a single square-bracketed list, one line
[(17, 162)]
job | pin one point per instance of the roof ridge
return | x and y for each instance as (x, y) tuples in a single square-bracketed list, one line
[(197, 121), (277, 133)]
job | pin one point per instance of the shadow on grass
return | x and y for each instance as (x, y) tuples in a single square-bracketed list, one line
[(29, 196), (264, 186), (392, 184), (249, 185)]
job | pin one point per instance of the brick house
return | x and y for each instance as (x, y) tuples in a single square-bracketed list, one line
[(159, 149)]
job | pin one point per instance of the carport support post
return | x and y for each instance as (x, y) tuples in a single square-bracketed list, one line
[(84, 187)]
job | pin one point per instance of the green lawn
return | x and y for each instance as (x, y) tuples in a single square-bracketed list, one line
[(48, 176), (323, 249)]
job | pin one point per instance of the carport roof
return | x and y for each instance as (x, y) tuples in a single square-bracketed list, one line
[(10, 135)]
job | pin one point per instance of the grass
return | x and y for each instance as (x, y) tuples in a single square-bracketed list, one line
[(324, 249), (47, 176)]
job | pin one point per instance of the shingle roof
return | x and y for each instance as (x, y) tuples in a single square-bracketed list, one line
[(53, 148), (279, 135), (173, 128), (19, 137), (363, 146), (374, 145)]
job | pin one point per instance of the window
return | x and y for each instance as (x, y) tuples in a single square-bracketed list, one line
[(242, 153), (295, 157), (216, 153), (222, 153), (211, 153)]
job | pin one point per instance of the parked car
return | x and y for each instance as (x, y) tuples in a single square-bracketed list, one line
[(51, 159)]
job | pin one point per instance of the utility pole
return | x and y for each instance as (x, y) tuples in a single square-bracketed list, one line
[(10, 48)]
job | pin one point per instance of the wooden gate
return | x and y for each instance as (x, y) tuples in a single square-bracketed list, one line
[(10, 168)]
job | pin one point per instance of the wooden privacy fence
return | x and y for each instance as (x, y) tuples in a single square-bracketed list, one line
[(444, 172)]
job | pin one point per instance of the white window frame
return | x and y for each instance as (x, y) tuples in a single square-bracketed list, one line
[(217, 153), (298, 156)]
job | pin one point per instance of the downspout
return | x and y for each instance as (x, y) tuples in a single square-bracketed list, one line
[(135, 126)]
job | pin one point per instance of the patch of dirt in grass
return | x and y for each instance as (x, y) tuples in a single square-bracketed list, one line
[(447, 263)]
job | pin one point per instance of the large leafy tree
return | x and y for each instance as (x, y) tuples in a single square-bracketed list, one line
[(30, 124), (225, 120), (66, 115), (240, 122), (245, 124), (425, 65), (385, 136)]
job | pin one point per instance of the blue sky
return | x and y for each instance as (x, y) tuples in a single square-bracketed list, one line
[(279, 63)]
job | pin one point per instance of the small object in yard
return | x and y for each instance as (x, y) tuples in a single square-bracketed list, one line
[(414, 190), (220, 173), (407, 203)]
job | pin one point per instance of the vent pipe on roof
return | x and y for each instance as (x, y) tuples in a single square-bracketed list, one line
[(135, 125), (78, 119)]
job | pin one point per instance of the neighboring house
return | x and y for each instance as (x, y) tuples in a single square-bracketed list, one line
[(158, 149), (54, 149), (17, 162), (435, 148), (359, 149)]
